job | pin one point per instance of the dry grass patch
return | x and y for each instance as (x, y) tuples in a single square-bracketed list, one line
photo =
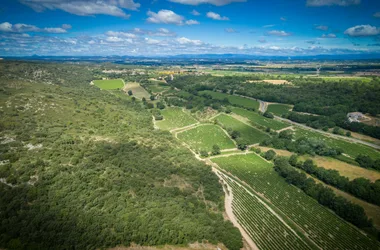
[(137, 91), (276, 82)]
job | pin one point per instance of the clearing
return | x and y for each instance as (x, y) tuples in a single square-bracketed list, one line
[(279, 109), (109, 84), (203, 137), (271, 81), (251, 134), (175, 118), (233, 99), (259, 119), (137, 91)]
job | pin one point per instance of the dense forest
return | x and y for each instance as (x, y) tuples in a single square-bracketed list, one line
[(83, 168)]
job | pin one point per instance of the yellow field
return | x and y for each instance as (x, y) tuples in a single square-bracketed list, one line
[(137, 91)]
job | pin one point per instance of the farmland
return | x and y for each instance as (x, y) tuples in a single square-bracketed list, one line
[(259, 119), (109, 84), (249, 133), (351, 149), (279, 109), (324, 228), (137, 91), (205, 136), (234, 100), (175, 118)]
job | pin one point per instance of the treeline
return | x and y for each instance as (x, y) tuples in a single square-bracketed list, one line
[(302, 145), (367, 162), (359, 187), (324, 195)]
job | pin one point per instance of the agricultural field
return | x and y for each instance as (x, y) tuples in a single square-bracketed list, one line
[(267, 230), (279, 109), (205, 136), (252, 135), (175, 118), (109, 84), (351, 149), (233, 99), (275, 82), (259, 119), (137, 91), (323, 227), (157, 88)]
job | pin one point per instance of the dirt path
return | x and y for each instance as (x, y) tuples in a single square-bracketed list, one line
[(154, 123), (228, 197), (176, 130)]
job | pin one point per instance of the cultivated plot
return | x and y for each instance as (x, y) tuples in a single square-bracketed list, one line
[(252, 135), (323, 227), (175, 118), (279, 109), (351, 149), (137, 90), (204, 137), (259, 119), (109, 84), (233, 99)]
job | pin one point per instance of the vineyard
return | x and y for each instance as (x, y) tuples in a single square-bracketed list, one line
[(316, 222)]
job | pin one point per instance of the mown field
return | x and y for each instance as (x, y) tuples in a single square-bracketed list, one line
[(109, 84), (351, 149), (259, 119), (156, 88), (235, 100), (175, 118), (249, 133), (279, 109), (137, 91), (322, 226), (205, 136)]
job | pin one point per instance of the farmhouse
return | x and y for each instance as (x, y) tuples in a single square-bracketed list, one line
[(355, 116)]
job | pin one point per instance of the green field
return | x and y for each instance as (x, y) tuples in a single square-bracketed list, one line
[(326, 229), (235, 100), (205, 136), (175, 118), (259, 119), (156, 88), (109, 84), (279, 109), (251, 134), (262, 225), (351, 149)]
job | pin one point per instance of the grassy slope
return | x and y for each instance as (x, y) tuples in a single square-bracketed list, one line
[(137, 90), (324, 227), (236, 100), (175, 118), (252, 135), (109, 84), (259, 119), (279, 109), (205, 136)]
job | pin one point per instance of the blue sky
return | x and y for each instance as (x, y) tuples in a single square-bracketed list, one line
[(170, 27)]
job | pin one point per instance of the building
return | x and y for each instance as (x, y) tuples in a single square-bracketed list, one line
[(355, 116)]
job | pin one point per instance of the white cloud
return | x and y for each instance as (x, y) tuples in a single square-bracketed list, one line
[(85, 8), (216, 16), (195, 13), (213, 2), (5, 27), (66, 26), (283, 19), (151, 41), (377, 14), (114, 39), (22, 28), (120, 34), (362, 30), (318, 3), (184, 40), (278, 33), (322, 27), (268, 26), (165, 16), (331, 35), (192, 22), (230, 30)]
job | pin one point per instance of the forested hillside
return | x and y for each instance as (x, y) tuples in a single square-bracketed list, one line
[(83, 168)]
